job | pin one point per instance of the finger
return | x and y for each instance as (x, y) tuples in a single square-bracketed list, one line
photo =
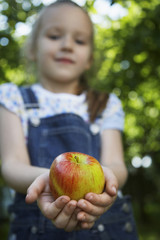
[(52, 209), (102, 200), (85, 217), (73, 222), (62, 219), (86, 225), (90, 208)]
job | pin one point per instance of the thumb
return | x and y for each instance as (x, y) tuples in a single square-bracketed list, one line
[(111, 182), (36, 188)]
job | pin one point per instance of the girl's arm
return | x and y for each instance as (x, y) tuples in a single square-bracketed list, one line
[(19, 174), (116, 175), (16, 168), (112, 155)]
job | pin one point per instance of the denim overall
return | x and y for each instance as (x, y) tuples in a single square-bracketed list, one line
[(47, 138)]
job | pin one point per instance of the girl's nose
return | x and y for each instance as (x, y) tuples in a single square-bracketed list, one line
[(67, 43)]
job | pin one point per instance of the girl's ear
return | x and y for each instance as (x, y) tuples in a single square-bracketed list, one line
[(29, 51), (90, 61), (32, 55)]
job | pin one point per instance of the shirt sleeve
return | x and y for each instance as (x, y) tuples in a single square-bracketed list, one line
[(10, 98), (113, 115)]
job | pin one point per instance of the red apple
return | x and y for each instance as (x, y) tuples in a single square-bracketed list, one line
[(74, 174)]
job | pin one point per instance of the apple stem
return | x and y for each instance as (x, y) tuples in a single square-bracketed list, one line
[(77, 159)]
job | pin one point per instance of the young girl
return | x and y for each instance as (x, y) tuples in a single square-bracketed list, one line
[(56, 115)]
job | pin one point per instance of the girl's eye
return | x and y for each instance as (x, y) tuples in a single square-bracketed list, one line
[(80, 42), (54, 37)]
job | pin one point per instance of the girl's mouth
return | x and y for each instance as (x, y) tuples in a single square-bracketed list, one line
[(65, 60)]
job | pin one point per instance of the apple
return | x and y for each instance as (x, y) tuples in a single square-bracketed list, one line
[(74, 174)]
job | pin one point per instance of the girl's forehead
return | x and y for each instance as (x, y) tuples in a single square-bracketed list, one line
[(66, 15)]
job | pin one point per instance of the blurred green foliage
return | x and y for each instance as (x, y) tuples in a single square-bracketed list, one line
[(126, 62)]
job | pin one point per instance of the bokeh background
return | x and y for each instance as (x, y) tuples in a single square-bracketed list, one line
[(126, 62)]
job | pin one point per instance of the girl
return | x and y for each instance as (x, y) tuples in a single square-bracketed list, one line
[(60, 114)]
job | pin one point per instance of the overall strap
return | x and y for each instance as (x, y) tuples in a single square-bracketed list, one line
[(29, 98)]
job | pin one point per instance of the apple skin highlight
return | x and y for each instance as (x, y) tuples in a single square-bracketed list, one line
[(75, 174)]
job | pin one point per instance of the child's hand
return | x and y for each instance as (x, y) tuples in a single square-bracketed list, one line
[(94, 205), (62, 211), (68, 214)]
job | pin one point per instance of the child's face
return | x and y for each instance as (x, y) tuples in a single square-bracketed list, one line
[(64, 46)]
